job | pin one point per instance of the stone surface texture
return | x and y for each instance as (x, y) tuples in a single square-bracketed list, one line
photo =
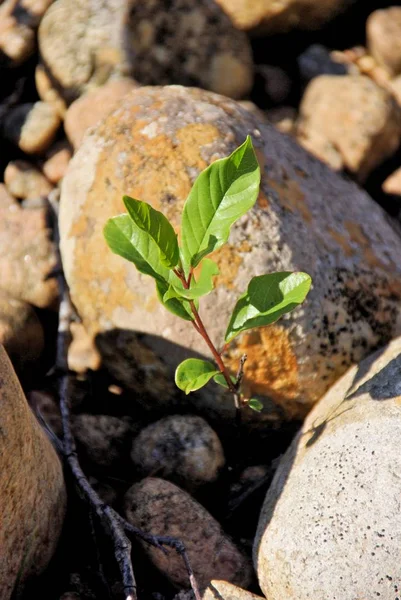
[(27, 254), (57, 160), (32, 493), (32, 126), (383, 33), (223, 590), (183, 448), (23, 180), (306, 218), (270, 16), (157, 42), (21, 333), (158, 507), (330, 525), (94, 105), (359, 119)]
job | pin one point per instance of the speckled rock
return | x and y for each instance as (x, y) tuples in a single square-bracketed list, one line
[(32, 127), (269, 16), (21, 333), (360, 119), (56, 161), (223, 590), (92, 106), (27, 255), (159, 507), (306, 217), (32, 493), (24, 180), (383, 33), (104, 441), (183, 448), (330, 525), (188, 42)]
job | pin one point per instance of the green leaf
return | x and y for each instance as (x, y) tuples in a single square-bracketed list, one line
[(267, 298), (221, 194), (193, 373), (174, 304), (126, 239), (158, 227), (220, 379), (199, 288), (255, 404)]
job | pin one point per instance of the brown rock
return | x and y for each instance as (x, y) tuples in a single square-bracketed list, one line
[(32, 493), (48, 92), (182, 448), (306, 218), (155, 42), (90, 108), (359, 118), (24, 180), (27, 255), (43, 403), (57, 160), (159, 507), (20, 333), (32, 127), (383, 33), (268, 16), (392, 185)]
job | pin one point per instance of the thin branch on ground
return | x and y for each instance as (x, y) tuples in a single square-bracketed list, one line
[(116, 525)]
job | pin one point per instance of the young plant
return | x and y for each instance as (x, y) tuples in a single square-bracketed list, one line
[(221, 194)]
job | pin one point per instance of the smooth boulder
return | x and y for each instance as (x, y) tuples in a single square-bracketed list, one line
[(306, 218), (32, 492), (330, 526)]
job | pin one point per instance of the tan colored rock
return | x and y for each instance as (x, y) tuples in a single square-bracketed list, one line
[(32, 127), (82, 352), (392, 185), (27, 254), (270, 16), (32, 493), (159, 507), (24, 180), (383, 33), (155, 42), (20, 333), (317, 144), (90, 108), (330, 524), (47, 91), (57, 160), (223, 590), (182, 448), (306, 218), (359, 118)]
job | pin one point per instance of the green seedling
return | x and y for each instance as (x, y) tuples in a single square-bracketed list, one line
[(221, 194)]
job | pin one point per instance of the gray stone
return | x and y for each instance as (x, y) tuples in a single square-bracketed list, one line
[(330, 526), (183, 448)]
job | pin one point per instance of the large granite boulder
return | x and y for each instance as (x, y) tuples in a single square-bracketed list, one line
[(330, 526), (306, 218)]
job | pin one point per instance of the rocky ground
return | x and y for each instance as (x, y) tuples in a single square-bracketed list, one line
[(100, 99)]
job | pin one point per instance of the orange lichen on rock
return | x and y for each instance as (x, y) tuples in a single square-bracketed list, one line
[(271, 368)]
